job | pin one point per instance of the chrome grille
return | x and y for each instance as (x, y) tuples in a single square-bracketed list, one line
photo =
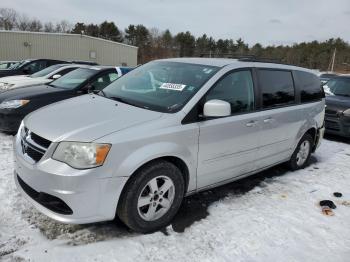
[(33, 145), (331, 112)]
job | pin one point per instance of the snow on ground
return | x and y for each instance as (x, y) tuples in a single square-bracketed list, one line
[(273, 216)]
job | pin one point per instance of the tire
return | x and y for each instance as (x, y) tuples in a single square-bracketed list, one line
[(145, 187), (301, 155)]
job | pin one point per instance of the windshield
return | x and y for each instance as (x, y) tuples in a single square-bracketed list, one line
[(46, 71), (160, 86), (328, 76), (18, 64), (74, 78), (338, 87)]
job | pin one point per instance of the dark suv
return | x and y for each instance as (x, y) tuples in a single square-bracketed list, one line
[(338, 106), (29, 66)]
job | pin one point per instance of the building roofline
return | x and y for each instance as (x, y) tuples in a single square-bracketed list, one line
[(66, 34)]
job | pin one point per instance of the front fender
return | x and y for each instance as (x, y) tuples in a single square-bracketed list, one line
[(157, 150)]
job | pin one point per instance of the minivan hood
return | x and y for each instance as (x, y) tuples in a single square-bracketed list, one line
[(85, 118)]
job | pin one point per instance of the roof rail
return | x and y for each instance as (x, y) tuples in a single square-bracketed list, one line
[(264, 60), (225, 55), (246, 58)]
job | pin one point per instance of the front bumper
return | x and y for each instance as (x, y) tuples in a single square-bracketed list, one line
[(319, 137), (48, 182), (10, 120), (337, 125)]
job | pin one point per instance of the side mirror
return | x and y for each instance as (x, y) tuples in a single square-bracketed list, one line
[(216, 108), (56, 76)]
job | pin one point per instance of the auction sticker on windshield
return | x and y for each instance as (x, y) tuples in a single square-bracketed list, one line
[(171, 86)]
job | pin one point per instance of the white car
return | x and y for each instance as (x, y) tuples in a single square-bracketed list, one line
[(44, 76)]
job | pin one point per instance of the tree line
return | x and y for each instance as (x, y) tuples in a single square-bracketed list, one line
[(155, 44)]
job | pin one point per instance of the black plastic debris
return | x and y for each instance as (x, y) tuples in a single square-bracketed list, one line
[(328, 203), (337, 194)]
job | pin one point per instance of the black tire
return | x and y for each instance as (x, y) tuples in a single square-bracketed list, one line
[(128, 210), (293, 162)]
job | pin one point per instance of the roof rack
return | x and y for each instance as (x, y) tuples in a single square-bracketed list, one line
[(246, 58), (225, 55), (263, 60)]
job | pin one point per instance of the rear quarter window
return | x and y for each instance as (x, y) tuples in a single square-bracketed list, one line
[(277, 87), (310, 87)]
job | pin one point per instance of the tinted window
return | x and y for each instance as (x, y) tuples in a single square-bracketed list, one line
[(236, 88), (104, 80), (53, 62), (35, 66), (277, 87), (309, 86)]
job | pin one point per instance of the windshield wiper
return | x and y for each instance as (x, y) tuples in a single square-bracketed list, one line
[(347, 95), (122, 100)]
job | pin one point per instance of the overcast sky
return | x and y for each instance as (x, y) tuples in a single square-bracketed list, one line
[(265, 21)]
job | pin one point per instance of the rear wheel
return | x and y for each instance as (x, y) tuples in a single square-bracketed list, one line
[(302, 153), (152, 197)]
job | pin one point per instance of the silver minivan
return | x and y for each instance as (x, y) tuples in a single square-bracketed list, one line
[(166, 130)]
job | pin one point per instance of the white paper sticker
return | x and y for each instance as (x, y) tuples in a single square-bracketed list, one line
[(171, 86)]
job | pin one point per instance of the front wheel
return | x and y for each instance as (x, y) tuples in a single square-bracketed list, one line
[(302, 153), (152, 197)]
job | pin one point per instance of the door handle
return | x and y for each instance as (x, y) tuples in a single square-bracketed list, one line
[(268, 120), (251, 123)]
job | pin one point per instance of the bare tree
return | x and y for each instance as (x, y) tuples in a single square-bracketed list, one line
[(48, 27), (8, 17), (63, 27), (23, 22), (35, 25)]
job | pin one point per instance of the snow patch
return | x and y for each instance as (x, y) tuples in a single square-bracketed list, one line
[(269, 217)]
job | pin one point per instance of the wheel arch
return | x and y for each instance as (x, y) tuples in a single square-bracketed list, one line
[(175, 160), (178, 162)]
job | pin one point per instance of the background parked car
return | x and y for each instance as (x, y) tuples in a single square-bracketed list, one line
[(338, 106), (29, 66), (16, 103), (44, 76), (7, 64), (325, 77)]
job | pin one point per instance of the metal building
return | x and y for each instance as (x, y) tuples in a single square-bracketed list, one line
[(18, 45)]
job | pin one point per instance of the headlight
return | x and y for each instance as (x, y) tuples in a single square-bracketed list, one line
[(11, 104), (347, 112), (5, 86), (81, 155)]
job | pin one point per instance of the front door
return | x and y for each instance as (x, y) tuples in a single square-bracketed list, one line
[(228, 145)]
